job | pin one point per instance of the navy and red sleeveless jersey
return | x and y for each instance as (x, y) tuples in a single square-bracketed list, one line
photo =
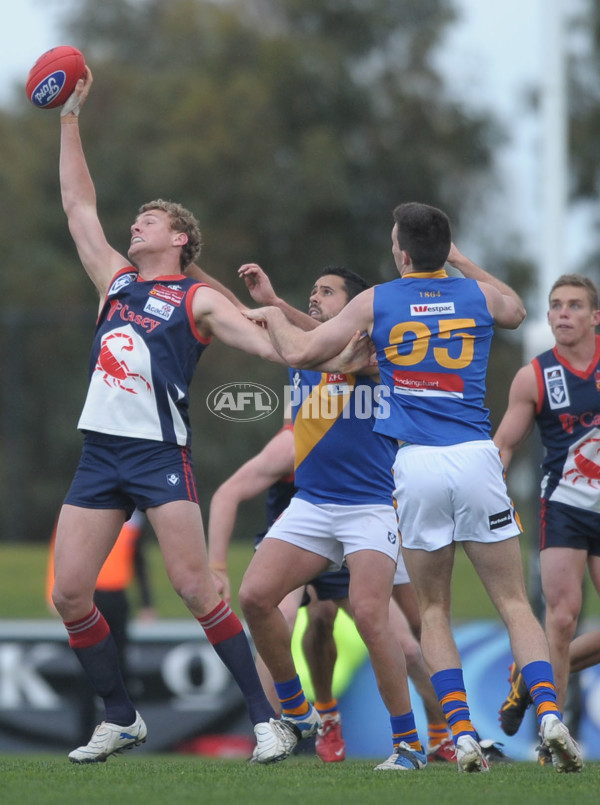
[(568, 417), (143, 357)]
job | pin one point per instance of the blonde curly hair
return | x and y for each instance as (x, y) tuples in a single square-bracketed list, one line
[(182, 220)]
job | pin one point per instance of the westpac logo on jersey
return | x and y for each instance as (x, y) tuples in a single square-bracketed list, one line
[(556, 387), (432, 309)]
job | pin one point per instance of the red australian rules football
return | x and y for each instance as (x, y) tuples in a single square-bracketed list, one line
[(54, 75)]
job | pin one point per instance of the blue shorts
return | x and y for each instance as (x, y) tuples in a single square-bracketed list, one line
[(563, 526), (330, 586), (115, 472)]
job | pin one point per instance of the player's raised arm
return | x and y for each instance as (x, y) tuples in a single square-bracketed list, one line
[(99, 259), (504, 303), (261, 290), (216, 316), (305, 350)]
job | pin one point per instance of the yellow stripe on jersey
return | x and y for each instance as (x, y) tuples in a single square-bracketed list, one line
[(317, 415)]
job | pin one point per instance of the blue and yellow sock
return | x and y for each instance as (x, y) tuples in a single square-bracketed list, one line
[(450, 688), (539, 678), (404, 730), (327, 709), (291, 696), (436, 733)]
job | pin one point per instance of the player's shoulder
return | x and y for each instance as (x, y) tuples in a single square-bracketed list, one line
[(524, 384), (208, 300)]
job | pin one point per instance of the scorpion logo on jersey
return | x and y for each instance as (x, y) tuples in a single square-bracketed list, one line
[(585, 460), (116, 372)]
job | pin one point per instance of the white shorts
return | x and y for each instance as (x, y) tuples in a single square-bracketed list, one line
[(334, 531), (401, 574), (452, 493)]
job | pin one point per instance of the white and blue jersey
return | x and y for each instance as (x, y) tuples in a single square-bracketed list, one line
[(433, 334), (338, 457), (568, 416), (143, 357)]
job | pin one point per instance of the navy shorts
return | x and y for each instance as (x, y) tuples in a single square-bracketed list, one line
[(563, 526), (332, 585), (120, 473), (329, 586)]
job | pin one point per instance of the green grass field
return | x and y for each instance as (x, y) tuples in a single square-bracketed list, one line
[(51, 780), (153, 779), (23, 578)]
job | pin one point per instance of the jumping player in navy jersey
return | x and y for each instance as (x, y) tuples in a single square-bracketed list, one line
[(153, 325), (432, 336), (560, 392)]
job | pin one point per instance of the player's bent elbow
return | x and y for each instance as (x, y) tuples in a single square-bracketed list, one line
[(299, 359), (511, 319)]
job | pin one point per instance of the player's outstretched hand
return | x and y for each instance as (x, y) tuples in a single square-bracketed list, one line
[(258, 315), (75, 101), (258, 284)]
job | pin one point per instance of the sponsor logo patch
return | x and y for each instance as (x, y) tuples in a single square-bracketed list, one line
[(433, 309), (556, 387), (337, 384), (429, 384), (173, 295), (158, 308), (500, 520)]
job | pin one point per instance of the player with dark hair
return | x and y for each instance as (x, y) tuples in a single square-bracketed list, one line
[(342, 512), (432, 334)]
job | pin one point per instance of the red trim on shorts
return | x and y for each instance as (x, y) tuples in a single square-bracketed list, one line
[(88, 631), (220, 624), (188, 474), (542, 524)]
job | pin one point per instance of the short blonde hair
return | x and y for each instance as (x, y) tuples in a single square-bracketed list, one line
[(182, 220), (577, 281)]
